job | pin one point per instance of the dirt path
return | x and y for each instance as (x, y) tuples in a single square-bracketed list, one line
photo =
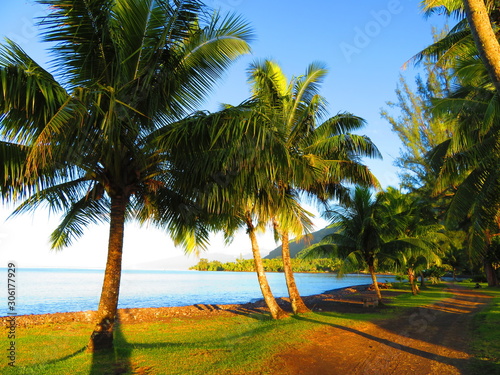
[(429, 340)]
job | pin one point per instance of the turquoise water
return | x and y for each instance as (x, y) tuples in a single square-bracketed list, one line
[(42, 291)]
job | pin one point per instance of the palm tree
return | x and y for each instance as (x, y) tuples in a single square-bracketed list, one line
[(484, 38), (412, 237), (259, 155), (479, 16), (124, 71), (233, 170), (357, 239), (374, 230), (323, 153)]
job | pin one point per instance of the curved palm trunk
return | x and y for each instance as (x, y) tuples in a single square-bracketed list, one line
[(298, 305), (484, 38), (371, 269), (276, 311), (102, 336)]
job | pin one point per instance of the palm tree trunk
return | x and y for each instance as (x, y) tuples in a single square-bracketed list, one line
[(298, 305), (484, 38), (491, 275), (413, 282), (275, 309), (371, 269), (102, 336)]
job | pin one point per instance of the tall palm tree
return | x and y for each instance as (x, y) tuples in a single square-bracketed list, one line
[(123, 71), (484, 37), (267, 150), (323, 152), (233, 169)]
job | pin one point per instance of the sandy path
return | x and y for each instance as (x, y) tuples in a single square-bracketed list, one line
[(429, 340)]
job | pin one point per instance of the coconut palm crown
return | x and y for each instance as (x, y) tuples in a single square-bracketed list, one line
[(81, 140)]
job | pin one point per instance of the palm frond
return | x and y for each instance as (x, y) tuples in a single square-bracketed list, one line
[(78, 217)]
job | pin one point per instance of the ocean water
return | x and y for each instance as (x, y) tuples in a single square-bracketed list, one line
[(42, 291)]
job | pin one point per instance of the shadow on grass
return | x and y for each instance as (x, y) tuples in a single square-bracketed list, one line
[(248, 310), (253, 312), (69, 356), (481, 367), (113, 362)]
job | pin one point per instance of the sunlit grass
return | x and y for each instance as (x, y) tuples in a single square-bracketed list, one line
[(216, 345), (427, 296)]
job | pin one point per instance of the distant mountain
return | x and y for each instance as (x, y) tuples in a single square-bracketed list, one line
[(302, 243)]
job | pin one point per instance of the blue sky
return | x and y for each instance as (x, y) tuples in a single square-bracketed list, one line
[(364, 44)]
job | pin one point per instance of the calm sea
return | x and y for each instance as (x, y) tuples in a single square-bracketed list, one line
[(42, 291)]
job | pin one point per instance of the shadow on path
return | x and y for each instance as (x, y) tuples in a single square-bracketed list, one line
[(456, 362)]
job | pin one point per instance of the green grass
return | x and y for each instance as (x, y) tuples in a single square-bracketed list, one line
[(486, 342), (428, 295), (214, 345)]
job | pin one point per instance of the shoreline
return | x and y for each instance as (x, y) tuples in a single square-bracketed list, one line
[(317, 302)]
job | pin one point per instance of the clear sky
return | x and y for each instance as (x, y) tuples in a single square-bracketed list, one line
[(364, 43)]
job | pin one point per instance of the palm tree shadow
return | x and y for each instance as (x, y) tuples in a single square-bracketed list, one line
[(251, 312), (69, 356), (116, 361)]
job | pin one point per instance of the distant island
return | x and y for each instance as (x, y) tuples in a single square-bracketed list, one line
[(273, 262), (270, 265)]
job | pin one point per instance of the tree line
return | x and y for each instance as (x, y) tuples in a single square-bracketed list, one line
[(270, 265), (114, 133)]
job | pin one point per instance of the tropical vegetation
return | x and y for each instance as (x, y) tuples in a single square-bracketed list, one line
[(270, 265), (115, 132), (468, 160), (385, 230)]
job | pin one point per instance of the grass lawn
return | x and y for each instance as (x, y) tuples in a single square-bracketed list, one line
[(205, 345), (486, 343)]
